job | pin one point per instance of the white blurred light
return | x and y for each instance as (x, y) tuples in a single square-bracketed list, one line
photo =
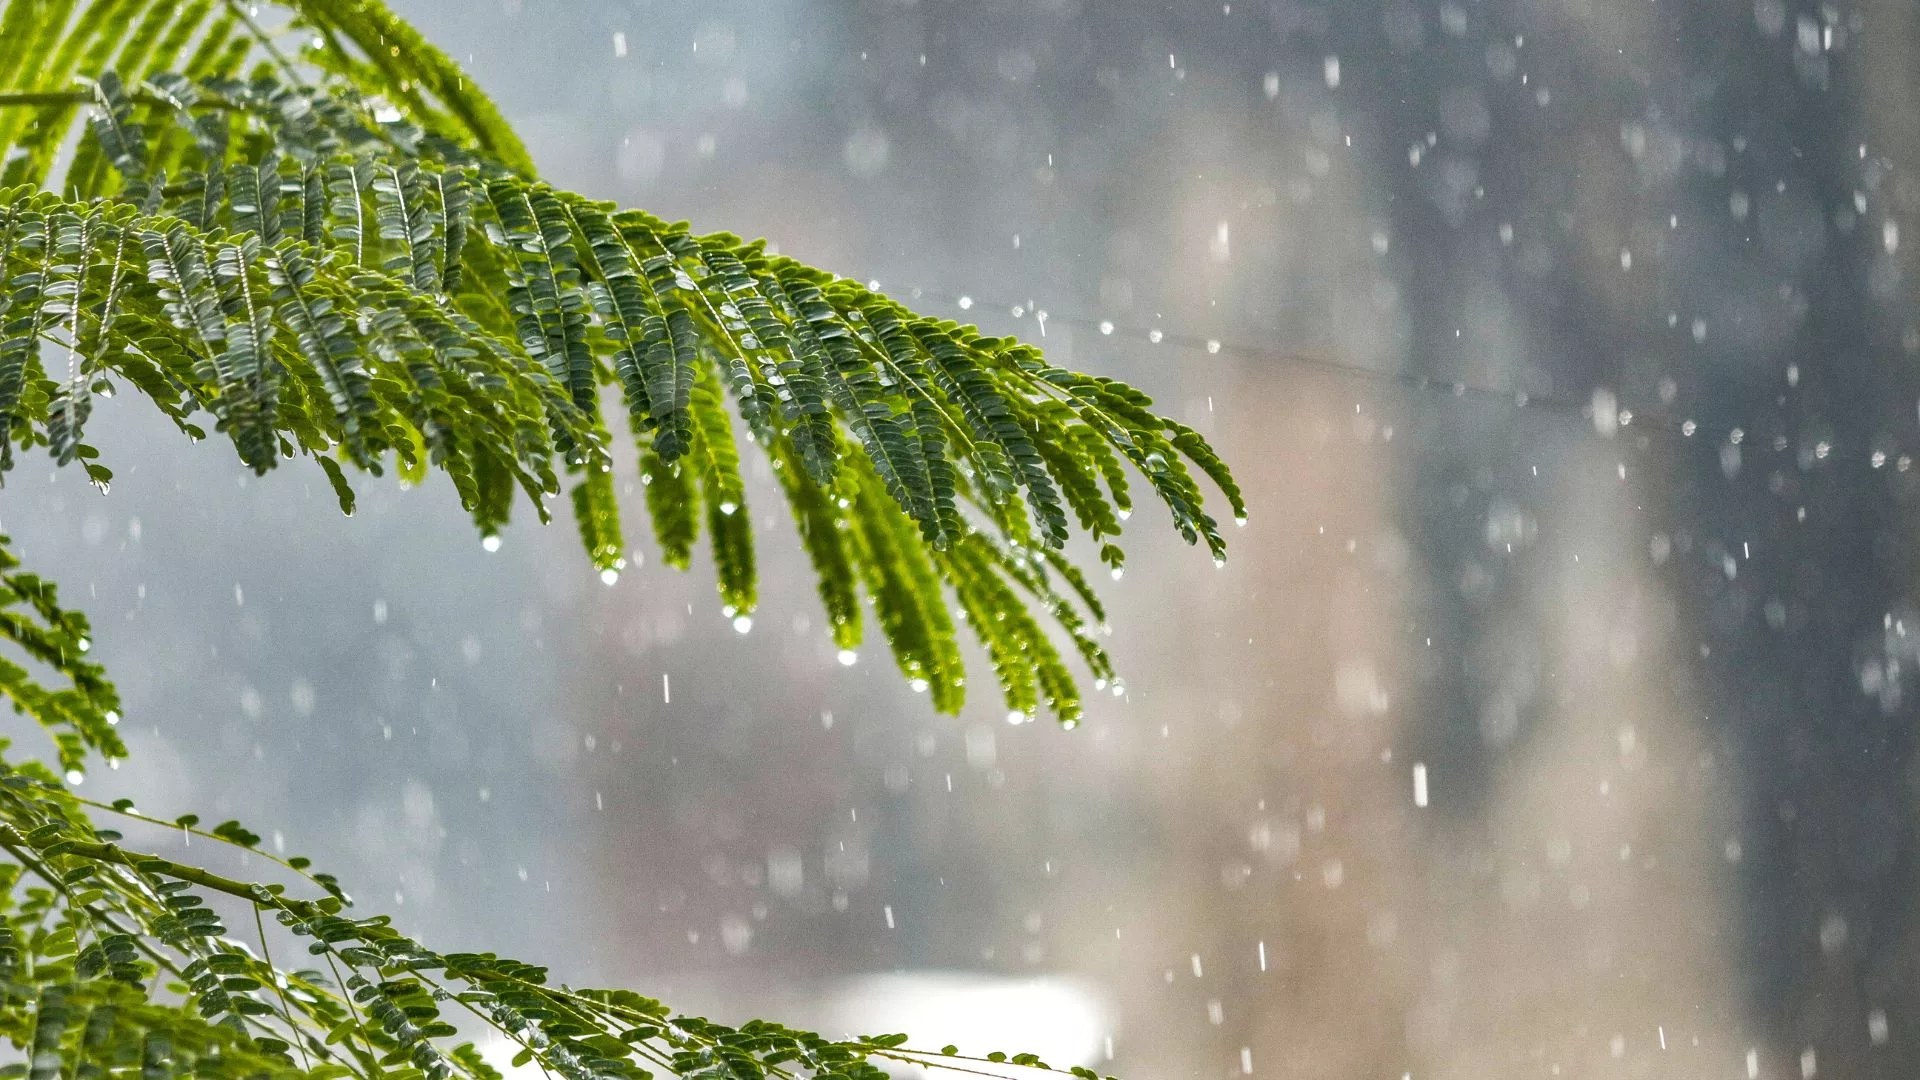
[(1061, 1019)]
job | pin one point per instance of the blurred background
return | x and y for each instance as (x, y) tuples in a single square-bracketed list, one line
[(1550, 719)]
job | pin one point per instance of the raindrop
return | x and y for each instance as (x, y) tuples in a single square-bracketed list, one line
[(491, 543), (1155, 335), (919, 685), (75, 776), (609, 576), (1213, 345), (847, 657), (1106, 326), (966, 303), (742, 623)]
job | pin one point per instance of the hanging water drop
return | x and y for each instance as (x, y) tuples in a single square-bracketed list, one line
[(609, 576), (742, 623), (490, 542), (847, 657)]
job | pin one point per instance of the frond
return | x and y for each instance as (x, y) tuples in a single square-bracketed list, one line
[(114, 961), (332, 283), (344, 253), (80, 710)]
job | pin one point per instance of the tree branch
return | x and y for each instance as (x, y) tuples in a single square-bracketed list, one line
[(154, 864), (31, 98)]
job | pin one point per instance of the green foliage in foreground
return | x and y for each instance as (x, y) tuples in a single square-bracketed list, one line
[(307, 231), (114, 962)]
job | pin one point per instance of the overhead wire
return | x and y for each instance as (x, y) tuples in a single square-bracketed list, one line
[(1603, 412)]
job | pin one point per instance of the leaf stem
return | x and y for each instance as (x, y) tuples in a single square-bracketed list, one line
[(154, 864), (29, 98)]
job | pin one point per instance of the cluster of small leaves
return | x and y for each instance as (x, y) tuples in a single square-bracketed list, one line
[(113, 960), (326, 276), (81, 709), (344, 254)]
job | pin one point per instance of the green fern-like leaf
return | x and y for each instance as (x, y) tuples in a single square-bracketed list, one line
[(346, 254)]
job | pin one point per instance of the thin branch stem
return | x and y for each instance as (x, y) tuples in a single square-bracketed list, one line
[(266, 41), (135, 815), (304, 910), (30, 98), (286, 1007)]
